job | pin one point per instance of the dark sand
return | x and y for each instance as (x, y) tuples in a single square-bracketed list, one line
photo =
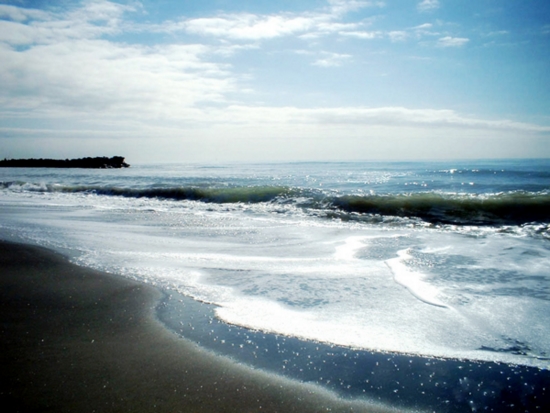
[(77, 340)]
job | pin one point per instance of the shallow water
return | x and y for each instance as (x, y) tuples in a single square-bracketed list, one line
[(408, 382)]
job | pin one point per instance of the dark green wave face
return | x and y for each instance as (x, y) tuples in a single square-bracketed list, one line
[(512, 208), (214, 195)]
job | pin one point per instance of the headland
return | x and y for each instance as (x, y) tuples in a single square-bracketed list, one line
[(101, 162)]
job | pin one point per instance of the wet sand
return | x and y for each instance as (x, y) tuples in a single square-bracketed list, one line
[(77, 340)]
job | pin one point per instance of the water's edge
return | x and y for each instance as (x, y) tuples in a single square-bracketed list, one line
[(406, 381)]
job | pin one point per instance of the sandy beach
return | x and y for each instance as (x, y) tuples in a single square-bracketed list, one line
[(77, 340)]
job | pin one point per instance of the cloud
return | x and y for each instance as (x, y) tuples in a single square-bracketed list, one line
[(498, 33), (60, 66), (416, 32), (362, 34), (250, 26), (98, 78), (361, 117), (449, 41), (20, 14), (346, 6), (428, 5), (67, 69), (398, 35), (332, 59), (256, 27), (424, 26), (28, 26), (326, 59)]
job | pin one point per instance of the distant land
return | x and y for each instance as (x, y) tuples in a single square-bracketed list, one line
[(93, 163)]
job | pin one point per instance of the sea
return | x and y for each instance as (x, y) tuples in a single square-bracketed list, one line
[(422, 286)]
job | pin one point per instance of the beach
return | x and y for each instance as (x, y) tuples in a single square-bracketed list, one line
[(78, 340)]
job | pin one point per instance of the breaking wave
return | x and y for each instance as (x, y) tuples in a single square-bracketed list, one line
[(499, 209), (511, 208)]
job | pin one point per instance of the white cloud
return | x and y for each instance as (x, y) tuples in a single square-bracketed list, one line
[(424, 30), (427, 5), (424, 26), (255, 27), (498, 33), (332, 27), (398, 35), (27, 26), (21, 14), (354, 117), (449, 41), (228, 50), (362, 34), (416, 32), (326, 59), (66, 69), (98, 78), (332, 59), (258, 27), (100, 10), (346, 6), (250, 26)]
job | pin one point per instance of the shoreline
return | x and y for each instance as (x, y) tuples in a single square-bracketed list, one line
[(404, 381), (75, 339)]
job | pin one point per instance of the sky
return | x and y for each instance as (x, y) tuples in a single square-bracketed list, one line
[(275, 80)]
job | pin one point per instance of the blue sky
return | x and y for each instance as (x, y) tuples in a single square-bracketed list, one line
[(272, 80)]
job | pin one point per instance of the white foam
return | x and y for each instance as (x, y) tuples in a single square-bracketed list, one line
[(413, 280), (350, 247)]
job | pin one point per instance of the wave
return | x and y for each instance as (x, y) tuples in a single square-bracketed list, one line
[(466, 209), (214, 195), (511, 208), (252, 194)]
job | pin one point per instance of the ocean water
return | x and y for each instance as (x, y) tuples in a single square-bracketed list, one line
[(420, 285)]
